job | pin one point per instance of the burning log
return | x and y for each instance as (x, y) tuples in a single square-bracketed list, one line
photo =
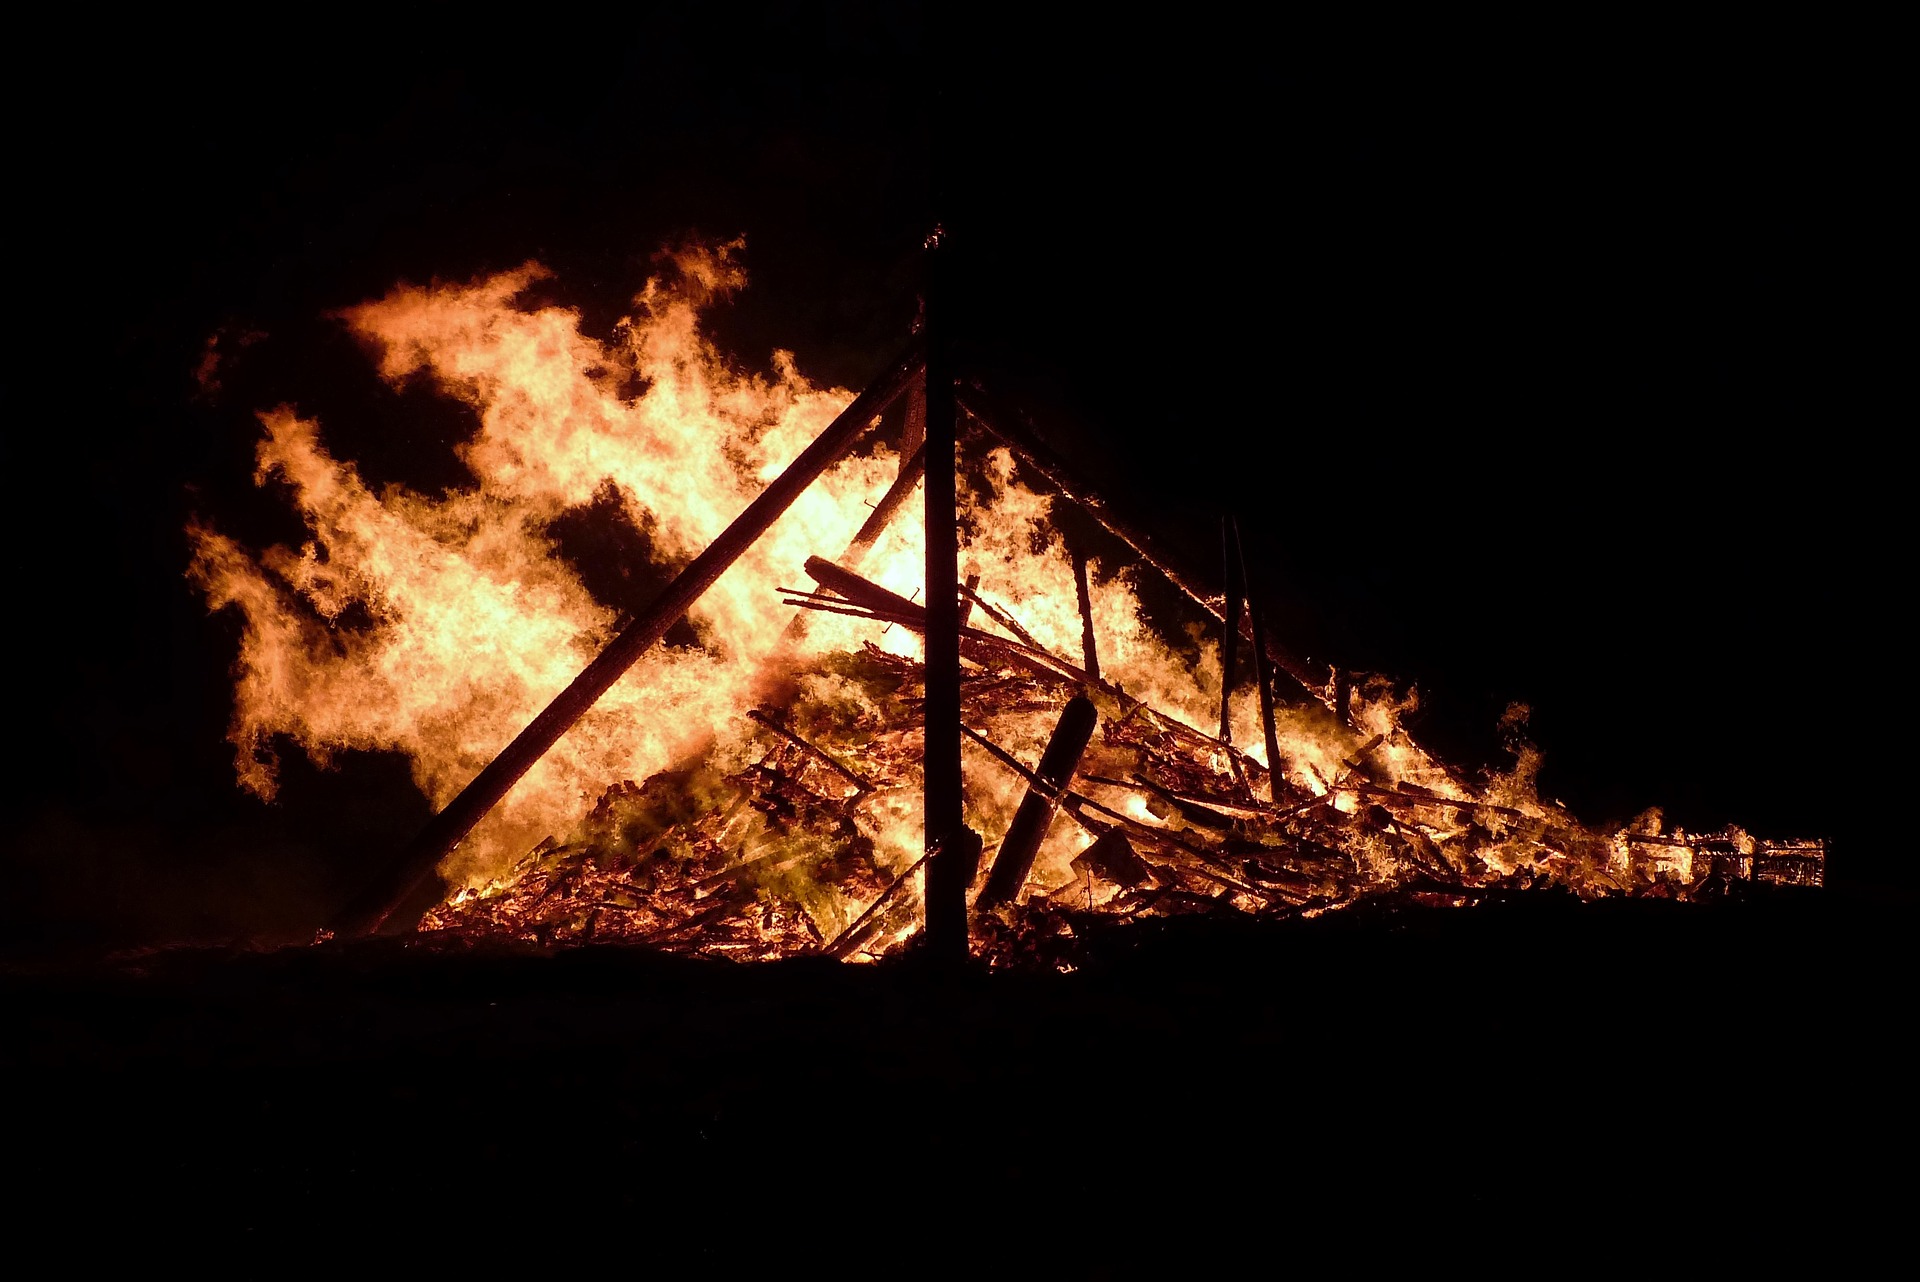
[(1089, 651), (951, 867), (448, 828), (772, 857), (1800, 862), (954, 848), (862, 926), (1005, 620), (1112, 858), (1229, 628), (1029, 828)]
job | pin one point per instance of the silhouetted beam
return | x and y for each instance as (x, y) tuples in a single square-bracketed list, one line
[(861, 591), (1029, 827), (1262, 673), (1088, 650), (825, 758), (448, 828), (1000, 420)]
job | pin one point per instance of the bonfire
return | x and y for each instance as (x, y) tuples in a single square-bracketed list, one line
[(739, 770)]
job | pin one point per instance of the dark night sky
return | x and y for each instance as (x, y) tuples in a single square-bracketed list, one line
[(1544, 365)]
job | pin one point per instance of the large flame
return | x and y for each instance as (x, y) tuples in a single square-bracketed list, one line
[(468, 622)]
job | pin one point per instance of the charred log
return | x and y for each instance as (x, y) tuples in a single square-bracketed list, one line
[(1030, 823), (1262, 669)]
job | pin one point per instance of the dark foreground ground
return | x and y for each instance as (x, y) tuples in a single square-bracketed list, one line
[(1530, 1082)]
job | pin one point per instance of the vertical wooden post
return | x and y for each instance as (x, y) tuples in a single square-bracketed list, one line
[(447, 829), (947, 878), (1230, 631), (1090, 653), (966, 604)]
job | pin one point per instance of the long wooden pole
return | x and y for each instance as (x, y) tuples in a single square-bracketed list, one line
[(947, 878), (450, 827)]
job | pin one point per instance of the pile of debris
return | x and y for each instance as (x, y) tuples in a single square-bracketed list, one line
[(1127, 812)]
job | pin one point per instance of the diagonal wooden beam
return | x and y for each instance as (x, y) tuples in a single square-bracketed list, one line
[(450, 827)]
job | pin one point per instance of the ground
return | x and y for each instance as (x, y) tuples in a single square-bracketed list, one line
[(1532, 1073)]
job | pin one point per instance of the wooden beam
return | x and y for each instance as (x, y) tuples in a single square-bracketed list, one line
[(1088, 650), (1030, 823), (943, 795), (825, 758), (1262, 671)]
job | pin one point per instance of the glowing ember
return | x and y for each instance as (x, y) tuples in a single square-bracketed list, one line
[(439, 625)]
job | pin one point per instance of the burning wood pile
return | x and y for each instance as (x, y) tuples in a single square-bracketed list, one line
[(772, 774), (1125, 811)]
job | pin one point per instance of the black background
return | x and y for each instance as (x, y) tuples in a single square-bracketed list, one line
[(1546, 363)]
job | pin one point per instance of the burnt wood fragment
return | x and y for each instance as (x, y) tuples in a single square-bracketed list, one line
[(1112, 858)]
